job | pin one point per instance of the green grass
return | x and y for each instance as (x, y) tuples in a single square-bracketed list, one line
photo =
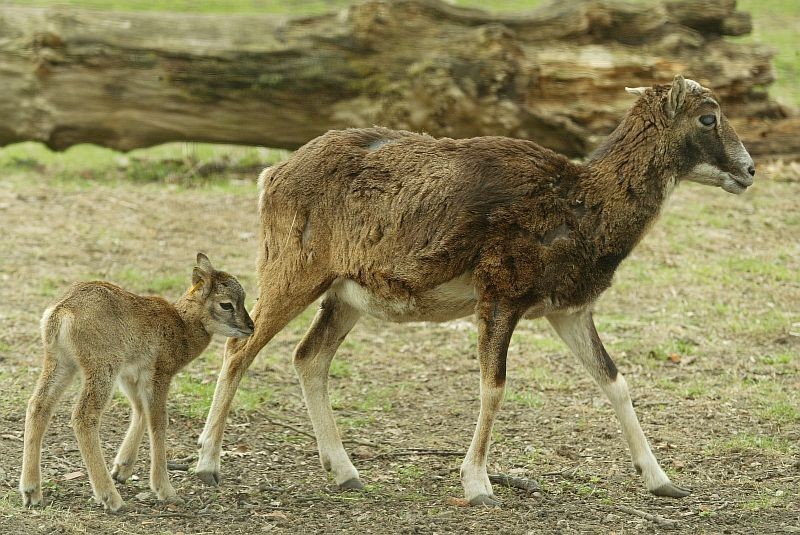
[(191, 396), (377, 399), (170, 162), (524, 398), (750, 443), (776, 23), (340, 369), (145, 282), (767, 499)]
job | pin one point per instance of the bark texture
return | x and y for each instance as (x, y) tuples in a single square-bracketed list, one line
[(554, 75)]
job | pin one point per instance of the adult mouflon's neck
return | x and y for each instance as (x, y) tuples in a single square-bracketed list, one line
[(630, 175)]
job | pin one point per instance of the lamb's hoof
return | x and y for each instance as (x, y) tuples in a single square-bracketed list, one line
[(352, 484), (209, 478), (118, 511), (120, 474), (485, 500), (32, 497), (671, 491), (114, 504), (173, 500)]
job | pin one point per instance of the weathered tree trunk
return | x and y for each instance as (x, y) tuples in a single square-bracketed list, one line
[(555, 75)]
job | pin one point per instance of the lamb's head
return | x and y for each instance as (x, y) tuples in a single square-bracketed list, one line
[(704, 145), (222, 297)]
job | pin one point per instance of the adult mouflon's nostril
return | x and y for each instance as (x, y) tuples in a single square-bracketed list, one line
[(752, 170)]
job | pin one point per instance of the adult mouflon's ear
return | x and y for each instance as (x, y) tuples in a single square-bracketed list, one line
[(638, 91), (676, 96)]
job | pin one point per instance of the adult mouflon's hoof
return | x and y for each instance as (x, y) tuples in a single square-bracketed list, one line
[(352, 484), (485, 500), (671, 491), (208, 477)]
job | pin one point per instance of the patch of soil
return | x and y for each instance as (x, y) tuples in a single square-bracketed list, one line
[(406, 395)]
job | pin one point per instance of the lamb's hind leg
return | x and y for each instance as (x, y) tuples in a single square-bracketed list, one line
[(312, 360), (57, 371), (579, 333), (157, 420), (98, 385), (129, 450)]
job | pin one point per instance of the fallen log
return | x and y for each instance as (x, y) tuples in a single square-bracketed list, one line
[(554, 75)]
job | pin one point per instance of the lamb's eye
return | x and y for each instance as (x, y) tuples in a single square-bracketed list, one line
[(226, 306), (708, 120)]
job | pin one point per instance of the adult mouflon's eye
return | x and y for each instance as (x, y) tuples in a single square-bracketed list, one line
[(226, 306), (708, 120)]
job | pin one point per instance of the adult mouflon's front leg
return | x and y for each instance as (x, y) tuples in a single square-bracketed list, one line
[(579, 333), (496, 322)]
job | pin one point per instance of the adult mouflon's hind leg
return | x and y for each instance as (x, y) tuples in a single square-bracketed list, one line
[(496, 322), (312, 361), (579, 333)]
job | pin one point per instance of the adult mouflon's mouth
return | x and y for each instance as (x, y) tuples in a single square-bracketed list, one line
[(736, 184)]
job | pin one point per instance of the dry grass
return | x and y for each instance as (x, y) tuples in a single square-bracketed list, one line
[(703, 320)]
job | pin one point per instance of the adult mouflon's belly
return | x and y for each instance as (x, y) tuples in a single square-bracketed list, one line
[(453, 299)]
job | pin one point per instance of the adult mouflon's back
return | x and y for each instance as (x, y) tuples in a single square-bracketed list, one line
[(403, 226), (401, 213)]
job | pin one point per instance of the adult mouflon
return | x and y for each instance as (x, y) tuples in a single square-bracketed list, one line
[(406, 227), (139, 342)]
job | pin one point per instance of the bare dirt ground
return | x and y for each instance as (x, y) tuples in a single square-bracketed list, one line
[(704, 321)]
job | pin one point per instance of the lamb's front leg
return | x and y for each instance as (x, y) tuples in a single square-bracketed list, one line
[(496, 322), (579, 333)]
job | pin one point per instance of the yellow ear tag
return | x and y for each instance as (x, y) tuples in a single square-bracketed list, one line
[(196, 287)]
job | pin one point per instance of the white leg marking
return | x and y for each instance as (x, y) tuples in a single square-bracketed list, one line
[(643, 459), (474, 476), (312, 360)]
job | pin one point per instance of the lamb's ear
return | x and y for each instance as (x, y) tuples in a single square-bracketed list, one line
[(638, 91), (676, 96), (201, 275), (204, 263), (201, 282)]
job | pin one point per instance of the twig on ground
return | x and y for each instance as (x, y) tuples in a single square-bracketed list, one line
[(660, 520), (177, 467), (556, 473), (311, 435), (418, 451), (528, 485), (171, 515)]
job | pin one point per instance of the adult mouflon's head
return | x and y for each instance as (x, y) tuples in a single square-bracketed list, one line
[(704, 145), (223, 298)]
